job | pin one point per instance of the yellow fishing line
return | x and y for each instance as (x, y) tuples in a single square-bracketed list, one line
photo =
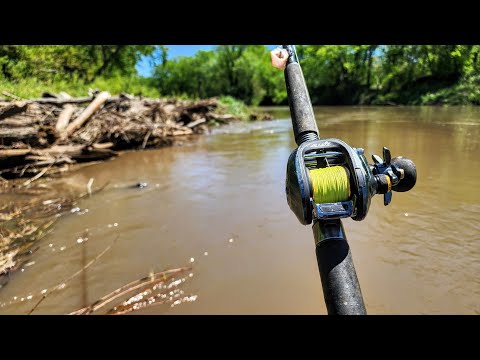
[(330, 184)]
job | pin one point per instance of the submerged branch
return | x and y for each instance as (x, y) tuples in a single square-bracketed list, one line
[(63, 283), (153, 279)]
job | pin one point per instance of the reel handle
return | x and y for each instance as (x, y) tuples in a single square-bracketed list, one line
[(397, 174), (410, 174)]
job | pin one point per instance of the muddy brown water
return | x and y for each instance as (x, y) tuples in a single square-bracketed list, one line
[(218, 204)]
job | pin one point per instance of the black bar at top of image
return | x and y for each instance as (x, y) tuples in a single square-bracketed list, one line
[(245, 25)]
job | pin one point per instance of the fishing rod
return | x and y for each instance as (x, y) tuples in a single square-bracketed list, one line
[(328, 180)]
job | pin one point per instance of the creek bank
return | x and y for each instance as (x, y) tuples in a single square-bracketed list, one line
[(48, 134)]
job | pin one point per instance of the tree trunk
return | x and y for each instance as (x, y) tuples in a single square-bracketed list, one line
[(369, 65)]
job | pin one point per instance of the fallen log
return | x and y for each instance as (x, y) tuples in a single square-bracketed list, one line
[(196, 123), (12, 109), (39, 158), (200, 105), (39, 175), (64, 118), (19, 122), (49, 160), (59, 149), (20, 163), (221, 118), (5, 153), (76, 152), (64, 98), (185, 131), (19, 133), (62, 101), (107, 145), (87, 113)]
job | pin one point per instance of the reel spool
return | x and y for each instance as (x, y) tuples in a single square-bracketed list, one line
[(330, 184), (328, 179)]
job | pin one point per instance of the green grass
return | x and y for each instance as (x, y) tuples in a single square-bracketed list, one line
[(235, 107), (33, 88)]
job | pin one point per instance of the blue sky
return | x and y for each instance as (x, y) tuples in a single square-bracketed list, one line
[(145, 65)]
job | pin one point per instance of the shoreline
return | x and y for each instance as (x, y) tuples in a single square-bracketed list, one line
[(47, 135)]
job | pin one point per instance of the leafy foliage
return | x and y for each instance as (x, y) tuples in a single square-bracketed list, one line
[(335, 74), (243, 72)]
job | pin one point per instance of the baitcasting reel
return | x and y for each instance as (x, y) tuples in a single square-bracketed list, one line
[(328, 179)]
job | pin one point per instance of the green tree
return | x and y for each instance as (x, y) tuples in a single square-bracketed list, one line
[(335, 74), (243, 72), (83, 62)]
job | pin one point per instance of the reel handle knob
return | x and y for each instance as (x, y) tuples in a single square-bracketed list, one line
[(409, 174)]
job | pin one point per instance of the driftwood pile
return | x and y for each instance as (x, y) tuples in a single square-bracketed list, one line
[(57, 130)]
